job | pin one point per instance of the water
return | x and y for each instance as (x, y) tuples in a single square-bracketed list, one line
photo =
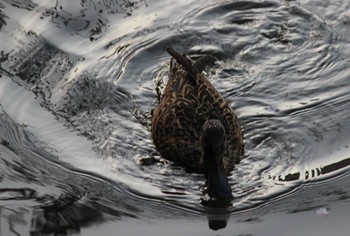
[(78, 83)]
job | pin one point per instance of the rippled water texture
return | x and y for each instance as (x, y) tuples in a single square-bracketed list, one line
[(79, 80)]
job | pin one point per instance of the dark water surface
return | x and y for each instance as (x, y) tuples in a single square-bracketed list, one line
[(80, 78)]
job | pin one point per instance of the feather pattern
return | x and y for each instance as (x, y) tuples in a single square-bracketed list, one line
[(188, 101)]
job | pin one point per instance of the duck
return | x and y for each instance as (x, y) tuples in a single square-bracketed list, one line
[(194, 125)]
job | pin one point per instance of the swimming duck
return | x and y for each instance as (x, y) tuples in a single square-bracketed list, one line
[(194, 125)]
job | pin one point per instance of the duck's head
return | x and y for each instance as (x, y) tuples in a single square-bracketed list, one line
[(213, 144)]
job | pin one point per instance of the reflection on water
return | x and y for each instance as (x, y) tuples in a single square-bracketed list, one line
[(79, 81), (328, 169)]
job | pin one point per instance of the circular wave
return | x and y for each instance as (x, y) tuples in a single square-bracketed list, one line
[(282, 66)]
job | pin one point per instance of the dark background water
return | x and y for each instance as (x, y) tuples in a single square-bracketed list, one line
[(80, 78)]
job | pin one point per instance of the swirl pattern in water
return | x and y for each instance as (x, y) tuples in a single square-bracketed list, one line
[(79, 80)]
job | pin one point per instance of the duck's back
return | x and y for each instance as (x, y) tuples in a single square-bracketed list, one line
[(187, 103)]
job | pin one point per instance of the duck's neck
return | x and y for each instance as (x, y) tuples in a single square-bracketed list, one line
[(217, 183), (213, 144)]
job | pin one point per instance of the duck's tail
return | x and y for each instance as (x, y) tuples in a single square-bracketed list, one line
[(192, 68), (182, 60)]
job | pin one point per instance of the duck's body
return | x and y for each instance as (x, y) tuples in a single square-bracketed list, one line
[(189, 105)]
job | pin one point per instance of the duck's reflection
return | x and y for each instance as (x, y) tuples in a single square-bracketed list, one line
[(217, 222), (217, 213)]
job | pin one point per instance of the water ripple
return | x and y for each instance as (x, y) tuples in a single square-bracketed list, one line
[(283, 65)]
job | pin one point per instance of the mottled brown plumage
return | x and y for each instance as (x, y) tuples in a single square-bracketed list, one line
[(188, 101)]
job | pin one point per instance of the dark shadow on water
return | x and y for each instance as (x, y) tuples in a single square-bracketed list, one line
[(59, 219), (314, 172), (68, 218)]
